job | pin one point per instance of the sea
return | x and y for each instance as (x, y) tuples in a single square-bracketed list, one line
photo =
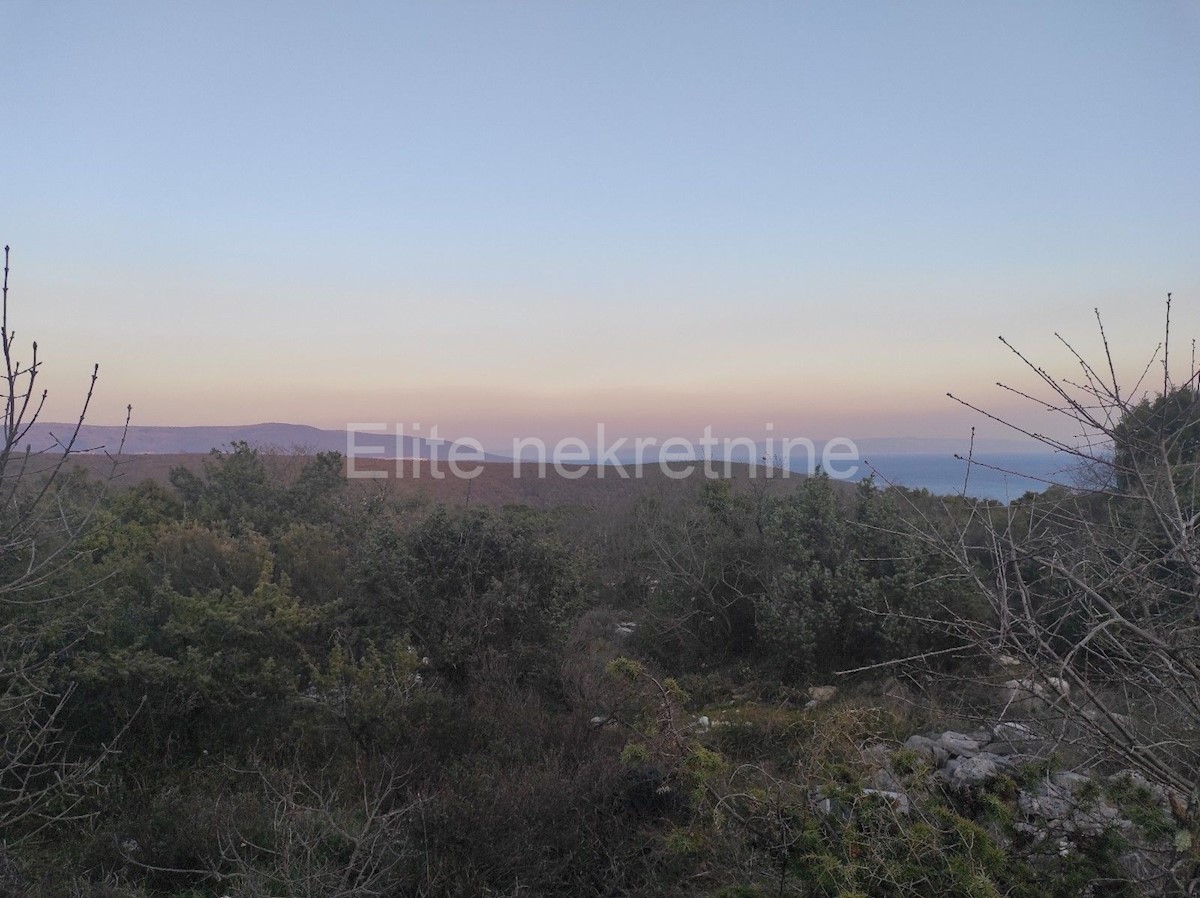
[(999, 476)]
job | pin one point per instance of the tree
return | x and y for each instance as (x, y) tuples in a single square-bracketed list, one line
[(1160, 435), (472, 588), (797, 581)]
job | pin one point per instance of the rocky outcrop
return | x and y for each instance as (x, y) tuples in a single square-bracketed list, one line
[(1053, 811)]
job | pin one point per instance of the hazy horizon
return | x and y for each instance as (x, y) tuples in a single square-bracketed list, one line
[(601, 446), (529, 218)]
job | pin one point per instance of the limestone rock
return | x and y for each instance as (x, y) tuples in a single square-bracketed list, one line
[(958, 744), (963, 773), (822, 694), (895, 798), (1010, 738), (927, 746)]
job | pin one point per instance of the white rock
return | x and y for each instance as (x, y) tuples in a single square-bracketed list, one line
[(884, 780), (1059, 685), (820, 694), (1069, 780), (958, 744), (964, 772), (1012, 732), (898, 800), (1010, 738)]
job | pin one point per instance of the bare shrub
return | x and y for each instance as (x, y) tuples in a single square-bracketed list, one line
[(1094, 585), (46, 520)]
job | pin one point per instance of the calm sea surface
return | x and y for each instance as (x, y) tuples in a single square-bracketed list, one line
[(943, 473)]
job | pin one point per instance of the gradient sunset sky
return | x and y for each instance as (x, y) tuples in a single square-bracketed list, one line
[(526, 217)]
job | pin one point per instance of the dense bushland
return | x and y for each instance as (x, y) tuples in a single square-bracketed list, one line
[(255, 682), (277, 689)]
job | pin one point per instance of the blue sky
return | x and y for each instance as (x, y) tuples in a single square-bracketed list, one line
[(530, 216)]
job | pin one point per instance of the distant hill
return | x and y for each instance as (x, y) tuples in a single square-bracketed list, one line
[(143, 440), (292, 438), (498, 483)]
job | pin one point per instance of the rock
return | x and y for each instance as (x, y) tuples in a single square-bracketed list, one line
[(964, 773), (958, 744), (1019, 693), (1003, 749), (1069, 780), (927, 746), (895, 798), (822, 694), (1004, 762), (877, 754), (1010, 738), (884, 780), (1170, 800), (1062, 813), (836, 807), (1022, 693), (1056, 807), (599, 721), (1008, 661), (703, 722), (878, 758), (1047, 803), (1008, 731)]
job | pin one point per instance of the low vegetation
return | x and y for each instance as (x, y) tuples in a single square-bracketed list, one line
[(250, 683)]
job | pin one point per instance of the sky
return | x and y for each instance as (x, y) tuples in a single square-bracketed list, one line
[(526, 218)]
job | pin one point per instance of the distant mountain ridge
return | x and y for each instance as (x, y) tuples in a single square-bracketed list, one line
[(154, 440), (165, 440)]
